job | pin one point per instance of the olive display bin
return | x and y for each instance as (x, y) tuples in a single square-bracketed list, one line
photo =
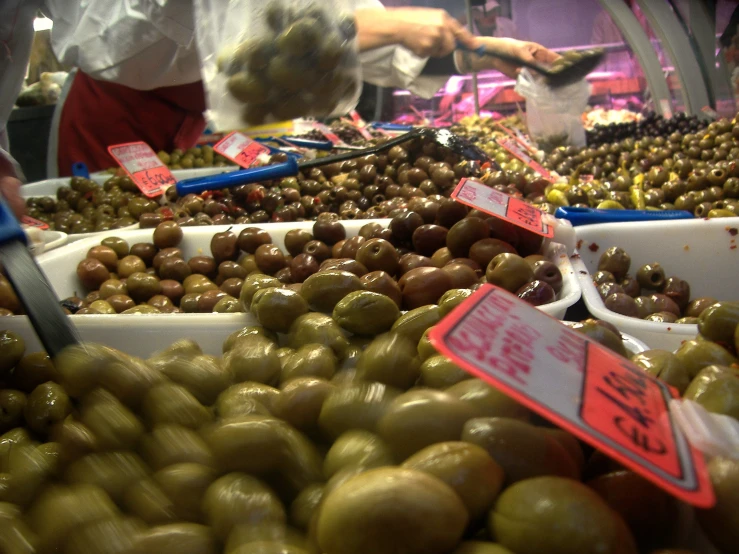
[(144, 334), (703, 252), (49, 187)]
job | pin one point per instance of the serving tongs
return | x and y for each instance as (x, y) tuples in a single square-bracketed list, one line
[(442, 137), (568, 72), (590, 216), (35, 293)]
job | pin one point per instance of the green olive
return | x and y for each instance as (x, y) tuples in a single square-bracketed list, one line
[(12, 405), (466, 468), (361, 515), (12, 348), (300, 402), (276, 308), (173, 403), (719, 322), (451, 299), (357, 448), (439, 372), (366, 313), (311, 360), (487, 401), (421, 417), (716, 388), (169, 444), (357, 405), (721, 523), (414, 323), (548, 514), (115, 427), (185, 538), (231, 340), (253, 359), (248, 88), (185, 484), (694, 355), (522, 450), (45, 406), (313, 328), (391, 359), (246, 398), (114, 472), (324, 290), (665, 366), (252, 284)]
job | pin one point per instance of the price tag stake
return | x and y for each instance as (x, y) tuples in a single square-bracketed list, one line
[(583, 387), (242, 150), (144, 167), (501, 205)]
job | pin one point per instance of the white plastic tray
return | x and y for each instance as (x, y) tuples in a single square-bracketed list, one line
[(145, 334), (703, 252), (54, 239), (50, 186)]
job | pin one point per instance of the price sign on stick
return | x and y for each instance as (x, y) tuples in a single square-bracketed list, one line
[(329, 134), (511, 145), (242, 150), (144, 167), (583, 387), (501, 205)]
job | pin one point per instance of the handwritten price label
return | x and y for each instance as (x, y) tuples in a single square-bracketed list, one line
[(329, 134), (501, 205), (143, 166), (580, 385), (242, 150), (33, 222), (510, 144)]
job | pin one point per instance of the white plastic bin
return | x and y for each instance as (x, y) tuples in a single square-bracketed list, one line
[(144, 334), (703, 252)]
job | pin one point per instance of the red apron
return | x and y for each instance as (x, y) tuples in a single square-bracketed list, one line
[(97, 114)]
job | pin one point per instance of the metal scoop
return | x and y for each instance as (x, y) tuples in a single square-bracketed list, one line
[(564, 73), (442, 137), (35, 293)]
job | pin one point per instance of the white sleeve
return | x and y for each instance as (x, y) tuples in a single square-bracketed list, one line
[(16, 38), (142, 44)]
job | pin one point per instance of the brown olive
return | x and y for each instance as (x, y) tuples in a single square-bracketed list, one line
[(630, 286), (224, 246), (600, 277), (677, 290), (252, 238), (461, 275), (329, 231), (428, 238), (172, 290), (319, 250), (175, 269), (295, 241), (163, 254), (404, 225), (378, 255), (142, 286), (697, 306), (382, 283), (622, 304), (203, 265), (144, 250), (269, 258), (121, 302), (167, 234), (484, 250), (651, 276), (350, 246), (343, 264), (423, 285), (463, 234), (92, 273), (106, 255), (615, 260)]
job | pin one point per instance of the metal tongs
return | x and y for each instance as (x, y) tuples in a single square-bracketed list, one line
[(35, 293), (558, 76), (442, 137)]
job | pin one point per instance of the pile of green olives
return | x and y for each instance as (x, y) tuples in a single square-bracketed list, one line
[(696, 172), (311, 441), (193, 158), (302, 65), (411, 262), (649, 294)]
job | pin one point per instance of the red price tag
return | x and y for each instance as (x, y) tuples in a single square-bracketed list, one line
[(143, 166), (242, 150), (581, 386), (33, 222), (501, 205), (510, 145), (329, 134)]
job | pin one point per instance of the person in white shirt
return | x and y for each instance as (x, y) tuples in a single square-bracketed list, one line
[(139, 74), (486, 21)]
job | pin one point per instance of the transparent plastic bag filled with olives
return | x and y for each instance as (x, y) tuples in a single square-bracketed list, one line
[(275, 60), (553, 115)]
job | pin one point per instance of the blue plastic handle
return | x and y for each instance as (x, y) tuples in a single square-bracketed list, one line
[(80, 170), (391, 126), (590, 216), (10, 229), (236, 178), (273, 150)]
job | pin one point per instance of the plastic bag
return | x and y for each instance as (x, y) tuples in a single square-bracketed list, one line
[(553, 115), (274, 60)]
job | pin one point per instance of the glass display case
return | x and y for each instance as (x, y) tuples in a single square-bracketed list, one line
[(661, 55)]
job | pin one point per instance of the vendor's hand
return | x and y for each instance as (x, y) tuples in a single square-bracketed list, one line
[(10, 190), (528, 51), (426, 32)]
